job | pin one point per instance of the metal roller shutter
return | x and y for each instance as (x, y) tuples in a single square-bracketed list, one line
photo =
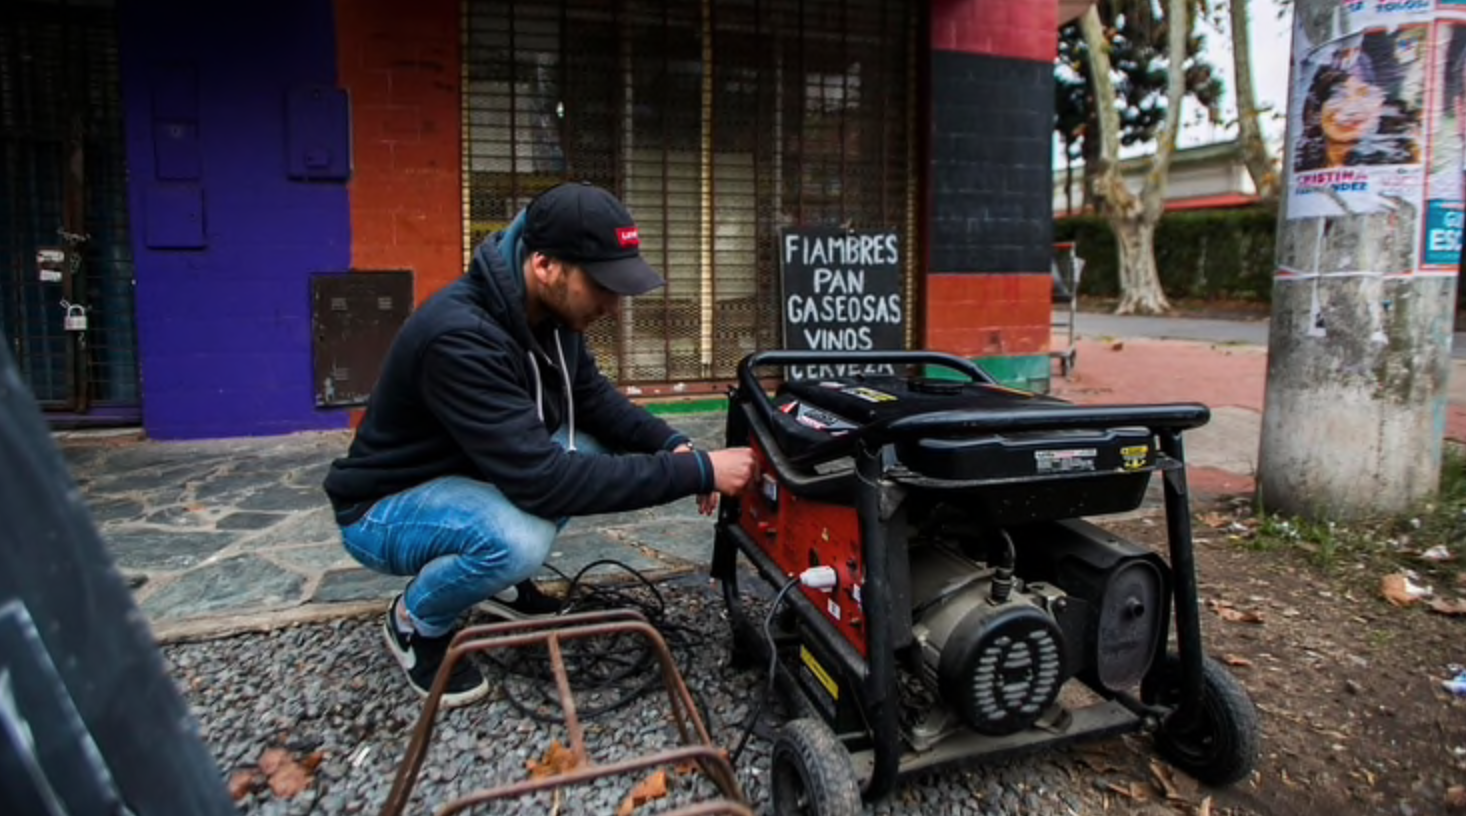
[(718, 122)]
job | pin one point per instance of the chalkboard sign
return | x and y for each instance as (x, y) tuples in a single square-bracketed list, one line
[(842, 291)]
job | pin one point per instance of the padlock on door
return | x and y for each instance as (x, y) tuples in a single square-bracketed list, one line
[(76, 317)]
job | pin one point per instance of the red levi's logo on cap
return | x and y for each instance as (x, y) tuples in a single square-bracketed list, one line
[(629, 237)]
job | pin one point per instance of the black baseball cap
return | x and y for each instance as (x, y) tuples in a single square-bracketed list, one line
[(586, 225)]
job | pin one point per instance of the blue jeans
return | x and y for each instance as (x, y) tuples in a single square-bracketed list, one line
[(461, 538)]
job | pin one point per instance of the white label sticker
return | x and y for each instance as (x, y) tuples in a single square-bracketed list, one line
[(1065, 461), (834, 609)]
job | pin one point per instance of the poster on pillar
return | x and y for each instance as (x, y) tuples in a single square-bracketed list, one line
[(1356, 112), (841, 290), (1440, 241)]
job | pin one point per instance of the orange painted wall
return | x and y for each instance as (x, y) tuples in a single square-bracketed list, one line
[(401, 64)]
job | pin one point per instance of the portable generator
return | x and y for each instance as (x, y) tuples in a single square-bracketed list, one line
[(942, 597)]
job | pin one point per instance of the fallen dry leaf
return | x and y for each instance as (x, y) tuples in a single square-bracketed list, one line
[(1227, 612), (1204, 809), (557, 760), (1399, 590), (1162, 776), (1456, 797), (1234, 660), (286, 777), (272, 759), (1117, 346), (1130, 790), (653, 787), (241, 783), (1215, 520), (289, 780), (1454, 607)]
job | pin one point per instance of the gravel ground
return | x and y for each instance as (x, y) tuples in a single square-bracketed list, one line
[(331, 694)]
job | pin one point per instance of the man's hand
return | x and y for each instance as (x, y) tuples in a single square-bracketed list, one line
[(707, 503), (732, 468)]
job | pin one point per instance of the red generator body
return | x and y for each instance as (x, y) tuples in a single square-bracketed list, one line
[(939, 584)]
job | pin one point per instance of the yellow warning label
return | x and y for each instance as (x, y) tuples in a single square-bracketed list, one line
[(819, 672), (870, 394), (1133, 457)]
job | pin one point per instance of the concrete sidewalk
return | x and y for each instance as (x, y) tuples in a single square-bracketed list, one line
[(236, 534)]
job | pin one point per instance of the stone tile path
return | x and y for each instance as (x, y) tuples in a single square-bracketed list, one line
[(237, 534)]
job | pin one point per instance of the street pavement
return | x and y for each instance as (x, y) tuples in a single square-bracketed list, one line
[(235, 535), (1097, 325)]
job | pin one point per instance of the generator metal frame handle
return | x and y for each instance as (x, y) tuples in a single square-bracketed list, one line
[(1157, 418), (775, 357)]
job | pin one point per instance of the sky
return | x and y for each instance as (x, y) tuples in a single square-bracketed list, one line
[(1271, 40)]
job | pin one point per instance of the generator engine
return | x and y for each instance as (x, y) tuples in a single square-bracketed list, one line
[(998, 630), (1000, 594), (994, 652)]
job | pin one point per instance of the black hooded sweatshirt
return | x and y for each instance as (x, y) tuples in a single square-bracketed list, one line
[(468, 389)]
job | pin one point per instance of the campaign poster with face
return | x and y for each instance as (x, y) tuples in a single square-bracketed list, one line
[(1358, 120)]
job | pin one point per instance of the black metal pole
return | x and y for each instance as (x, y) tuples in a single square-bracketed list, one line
[(1183, 568), (880, 682)]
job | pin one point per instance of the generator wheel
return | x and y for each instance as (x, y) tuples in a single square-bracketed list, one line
[(811, 772), (1221, 748)]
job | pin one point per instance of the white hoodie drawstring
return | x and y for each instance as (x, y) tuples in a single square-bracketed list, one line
[(539, 388), (569, 396)]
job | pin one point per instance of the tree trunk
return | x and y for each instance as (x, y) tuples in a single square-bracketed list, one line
[(1133, 218), (1140, 281), (1254, 149)]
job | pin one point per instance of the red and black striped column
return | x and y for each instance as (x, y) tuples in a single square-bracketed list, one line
[(990, 184)]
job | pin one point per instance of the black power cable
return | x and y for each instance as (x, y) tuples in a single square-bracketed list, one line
[(617, 671), (606, 674), (773, 668)]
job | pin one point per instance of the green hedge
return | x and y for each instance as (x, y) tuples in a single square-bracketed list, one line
[(1207, 255)]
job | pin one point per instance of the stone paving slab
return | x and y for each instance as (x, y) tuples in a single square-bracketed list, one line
[(228, 534)]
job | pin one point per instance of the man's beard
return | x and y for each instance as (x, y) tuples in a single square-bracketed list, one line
[(557, 300)]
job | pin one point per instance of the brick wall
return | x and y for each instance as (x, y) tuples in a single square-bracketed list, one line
[(1026, 30), (990, 220), (400, 62), (988, 315)]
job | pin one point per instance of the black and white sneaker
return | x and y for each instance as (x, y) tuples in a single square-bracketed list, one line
[(421, 656), (523, 601)]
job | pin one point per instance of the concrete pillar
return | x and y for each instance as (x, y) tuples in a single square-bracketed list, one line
[(1368, 251), (990, 211)]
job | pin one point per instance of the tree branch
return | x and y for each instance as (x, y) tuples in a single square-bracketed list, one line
[(1098, 48), (1178, 23), (1254, 149)]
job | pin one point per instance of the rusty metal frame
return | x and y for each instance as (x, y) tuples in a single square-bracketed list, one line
[(550, 633)]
